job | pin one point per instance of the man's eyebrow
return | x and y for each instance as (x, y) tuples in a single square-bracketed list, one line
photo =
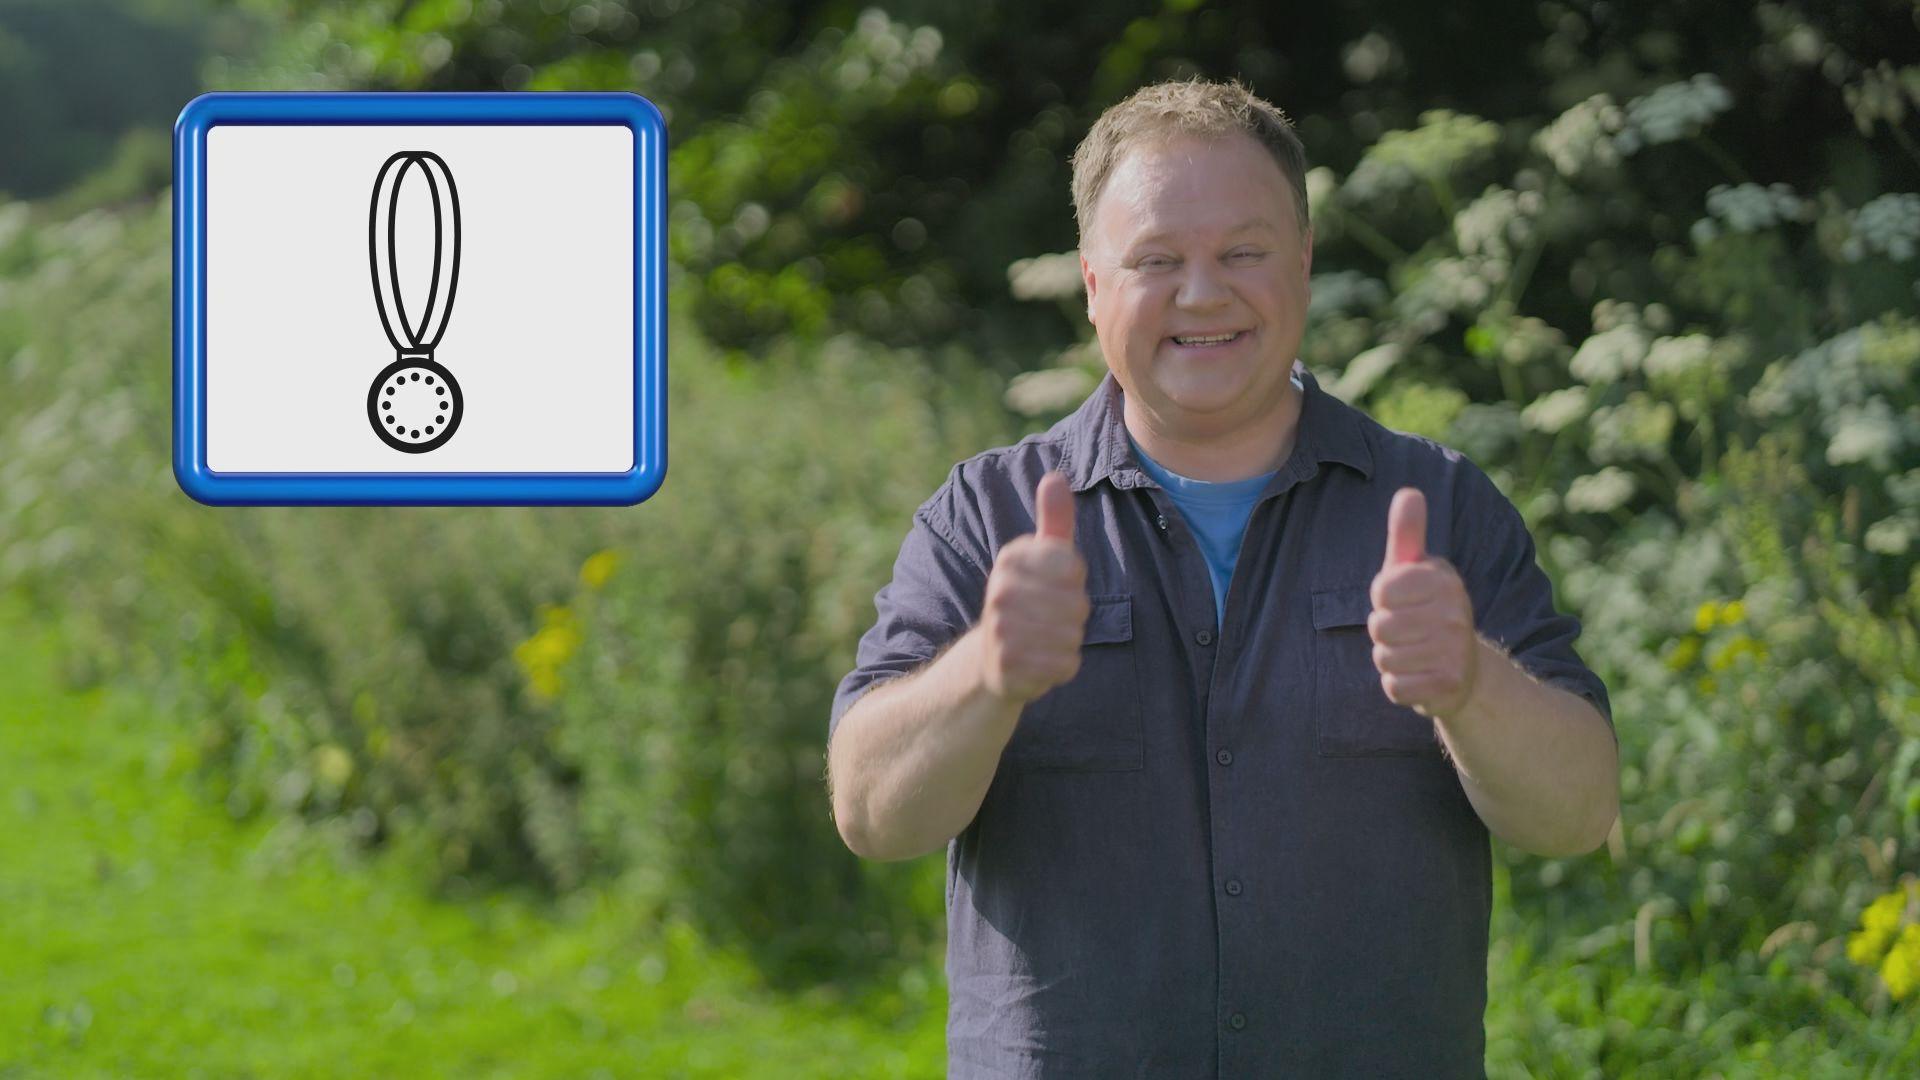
[(1250, 225)]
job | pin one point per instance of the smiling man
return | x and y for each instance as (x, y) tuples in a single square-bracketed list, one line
[(1214, 691)]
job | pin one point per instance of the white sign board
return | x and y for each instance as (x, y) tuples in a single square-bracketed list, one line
[(419, 299)]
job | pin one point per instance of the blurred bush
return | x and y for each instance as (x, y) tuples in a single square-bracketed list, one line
[(840, 166), (513, 694), (1701, 390), (695, 709), (1672, 311), (86, 81)]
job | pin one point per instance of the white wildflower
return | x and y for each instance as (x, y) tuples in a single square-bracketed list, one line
[(1749, 208), (1046, 277), (1582, 136), (1444, 143), (882, 53), (1890, 536), (751, 220), (1320, 187), (1609, 313), (1446, 286), (1366, 369), (1609, 354), (1844, 372), (1889, 225), (1676, 356), (1368, 58), (1048, 390), (1673, 112), (1905, 489), (1879, 96), (1344, 290), (1637, 428), (1530, 339), (1496, 221), (1598, 493), (13, 220), (1863, 433), (1483, 431), (1554, 411)]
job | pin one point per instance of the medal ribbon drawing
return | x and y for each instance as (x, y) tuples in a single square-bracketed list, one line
[(414, 404)]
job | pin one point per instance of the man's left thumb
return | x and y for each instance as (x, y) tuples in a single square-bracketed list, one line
[(1407, 527)]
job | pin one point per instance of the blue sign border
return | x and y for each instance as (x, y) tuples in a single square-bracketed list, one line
[(402, 488)]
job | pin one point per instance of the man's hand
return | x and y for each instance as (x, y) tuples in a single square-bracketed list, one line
[(1422, 623), (1035, 612)]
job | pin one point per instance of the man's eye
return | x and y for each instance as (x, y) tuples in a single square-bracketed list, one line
[(1155, 262), (1248, 256)]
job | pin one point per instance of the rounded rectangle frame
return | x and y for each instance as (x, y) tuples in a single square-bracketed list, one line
[(228, 488)]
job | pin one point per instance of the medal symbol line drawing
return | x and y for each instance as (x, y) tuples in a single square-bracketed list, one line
[(415, 403)]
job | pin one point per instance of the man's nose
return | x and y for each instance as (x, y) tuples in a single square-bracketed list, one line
[(1201, 287)]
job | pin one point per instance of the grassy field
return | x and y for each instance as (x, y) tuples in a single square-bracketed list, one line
[(144, 933)]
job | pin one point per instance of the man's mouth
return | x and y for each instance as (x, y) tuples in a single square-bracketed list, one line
[(1210, 340)]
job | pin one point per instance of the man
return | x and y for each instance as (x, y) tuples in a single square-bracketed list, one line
[(1190, 686)]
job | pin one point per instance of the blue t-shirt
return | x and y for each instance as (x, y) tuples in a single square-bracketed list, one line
[(1217, 513)]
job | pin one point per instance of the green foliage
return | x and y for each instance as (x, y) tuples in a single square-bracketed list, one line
[(1671, 313), (482, 686), (696, 706), (87, 82), (1714, 431), (840, 167), (153, 936)]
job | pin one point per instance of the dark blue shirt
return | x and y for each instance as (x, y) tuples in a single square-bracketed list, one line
[(1220, 850), (1217, 513)]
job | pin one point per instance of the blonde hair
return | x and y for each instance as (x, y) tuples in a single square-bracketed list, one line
[(1193, 107)]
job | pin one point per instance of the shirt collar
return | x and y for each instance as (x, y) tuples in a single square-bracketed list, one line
[(1097, 447)]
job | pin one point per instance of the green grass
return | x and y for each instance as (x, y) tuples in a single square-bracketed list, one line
[(145, 933)]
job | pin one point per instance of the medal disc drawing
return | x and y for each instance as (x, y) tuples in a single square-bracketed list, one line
[(414, 404)]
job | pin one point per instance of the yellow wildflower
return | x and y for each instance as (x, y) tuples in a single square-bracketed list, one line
[(1901, 969), (1723, 657), (1878, 923), (1864, 947), (333, 764), (1732, 612), (543, 655), (1684, 653), (598, 568), (1703, 618), (1883, 915)]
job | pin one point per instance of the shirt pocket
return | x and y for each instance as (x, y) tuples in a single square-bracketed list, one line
[(1091, 723), (1355, 718)]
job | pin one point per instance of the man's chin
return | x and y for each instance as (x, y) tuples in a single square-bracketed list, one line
[(1205, 396)]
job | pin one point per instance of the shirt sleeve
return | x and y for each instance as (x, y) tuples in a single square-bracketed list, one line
[(1513, 598), (939, 583)]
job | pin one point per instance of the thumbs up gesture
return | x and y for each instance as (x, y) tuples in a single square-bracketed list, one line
[(1034, 616), (1424, 644)]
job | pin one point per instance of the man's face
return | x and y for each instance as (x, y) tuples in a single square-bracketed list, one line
[(1198, 239)]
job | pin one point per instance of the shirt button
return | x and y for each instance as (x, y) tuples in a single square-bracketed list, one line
[(1204, 637), (1237, 1021), (1223, 756), (1233, 887)]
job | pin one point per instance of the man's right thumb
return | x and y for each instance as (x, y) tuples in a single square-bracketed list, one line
[(1054, 503)]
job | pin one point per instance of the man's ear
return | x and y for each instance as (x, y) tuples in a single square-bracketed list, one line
[(1088, 282)]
